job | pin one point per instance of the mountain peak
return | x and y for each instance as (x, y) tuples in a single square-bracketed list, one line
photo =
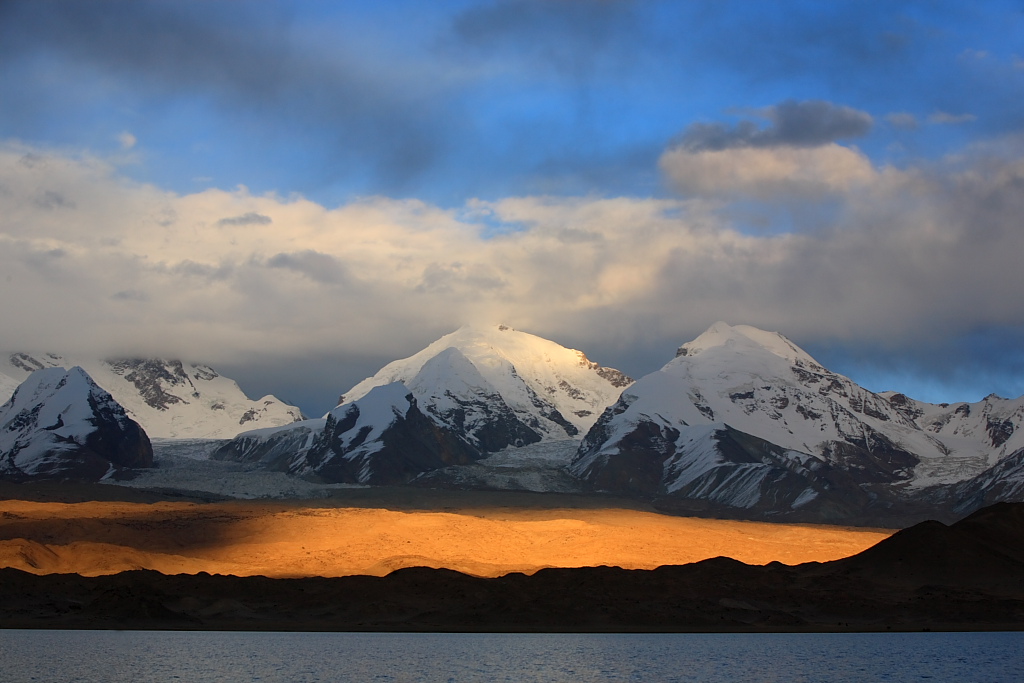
[(746, 339), (60, 424), (551, 391)]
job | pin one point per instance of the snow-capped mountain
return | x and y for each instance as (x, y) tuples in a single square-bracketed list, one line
[(170, 399), (501, 387), (60, 425), (814, 432), (475, 391), (381, 438)]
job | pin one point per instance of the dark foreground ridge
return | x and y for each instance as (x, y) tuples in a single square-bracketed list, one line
[(968, 576)]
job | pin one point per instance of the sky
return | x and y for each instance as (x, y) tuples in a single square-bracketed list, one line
[(300, 192)]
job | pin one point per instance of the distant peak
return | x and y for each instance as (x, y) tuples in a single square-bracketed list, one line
[(745, 338), (719, 334), (486, 327)]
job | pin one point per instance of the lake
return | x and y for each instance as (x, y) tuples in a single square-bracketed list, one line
[(229, 657)]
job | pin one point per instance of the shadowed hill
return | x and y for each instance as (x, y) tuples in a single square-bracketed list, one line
[(968, 576)]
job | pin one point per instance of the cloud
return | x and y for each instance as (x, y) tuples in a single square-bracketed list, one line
[(130, 295), (793, 156), (49, 199), (570, 37), (942, 117), (127, 140), (971, 54), (912, 256), (248, 218), (780, 173), (809, 123), (321, 268), (372, 111), (902, 119)]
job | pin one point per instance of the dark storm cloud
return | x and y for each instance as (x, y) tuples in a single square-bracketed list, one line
[(245, 59), (809, 123)]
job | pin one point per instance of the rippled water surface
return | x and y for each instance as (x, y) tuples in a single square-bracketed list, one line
[(143, 656)]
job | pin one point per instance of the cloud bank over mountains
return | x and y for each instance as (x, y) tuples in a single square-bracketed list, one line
[(349, 181), (908, 255)]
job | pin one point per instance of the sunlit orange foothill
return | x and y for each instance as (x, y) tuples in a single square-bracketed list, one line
[(292, 540)]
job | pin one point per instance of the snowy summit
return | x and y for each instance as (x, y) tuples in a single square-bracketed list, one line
[(503, 387)]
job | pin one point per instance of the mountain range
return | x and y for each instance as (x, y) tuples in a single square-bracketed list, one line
[(744, 419), (473, 392), (741, 422), (169, 398)]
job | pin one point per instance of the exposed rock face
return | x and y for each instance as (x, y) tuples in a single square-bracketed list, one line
[(152, 378), (60, 425), (383, 438), (744, 419), (501, 387), (171, 399)]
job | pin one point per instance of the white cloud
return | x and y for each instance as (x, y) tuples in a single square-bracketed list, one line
[(767, 172), (127, 140), (118, 267)]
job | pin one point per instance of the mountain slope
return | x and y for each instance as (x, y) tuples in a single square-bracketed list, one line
[(381, 438), (170, 399), (503, 387), (1004, 481), (742, 382), (60, 425)]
